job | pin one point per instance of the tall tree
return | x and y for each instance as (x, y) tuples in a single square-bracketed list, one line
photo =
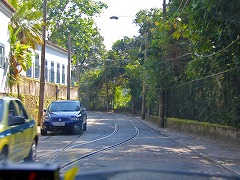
[(74, 18)]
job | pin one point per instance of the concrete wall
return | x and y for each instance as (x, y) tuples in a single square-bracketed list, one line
[(29, 94), (227, 135), (29, 86)]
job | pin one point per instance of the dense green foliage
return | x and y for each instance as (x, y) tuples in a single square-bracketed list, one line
[(211, 30), (74, 19), (191, 52), (194, 41)]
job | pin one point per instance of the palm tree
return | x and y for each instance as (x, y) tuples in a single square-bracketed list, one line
[(25, 31)]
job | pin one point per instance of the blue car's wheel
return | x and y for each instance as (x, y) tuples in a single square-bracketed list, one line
[(85, 126), (77, 129)]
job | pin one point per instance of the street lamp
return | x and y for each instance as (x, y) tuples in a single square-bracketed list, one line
[(114, 17)]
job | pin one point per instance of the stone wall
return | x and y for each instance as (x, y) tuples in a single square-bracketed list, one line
[(29, 94), (227, 135), (29, 86)]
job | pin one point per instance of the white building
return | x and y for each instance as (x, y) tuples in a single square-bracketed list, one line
[(56, 62), (56, 58), (6, 12)]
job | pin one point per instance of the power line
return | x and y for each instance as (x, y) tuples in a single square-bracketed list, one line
[(180, 57), (233, 42), (207, 56), (217, 74)]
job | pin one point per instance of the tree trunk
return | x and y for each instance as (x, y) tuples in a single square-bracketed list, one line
[(133, 106), (161, 109), (144, 101)]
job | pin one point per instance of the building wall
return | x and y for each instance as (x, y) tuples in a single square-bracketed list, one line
[(56, 62), (56, 57), (5, 15)]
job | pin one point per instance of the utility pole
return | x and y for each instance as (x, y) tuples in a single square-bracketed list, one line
[(77, 75), (144, 91), (162, 93), (106, 83), (69, 67), (164, 10), (42, 79)]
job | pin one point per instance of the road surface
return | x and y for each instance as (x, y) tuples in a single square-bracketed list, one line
[(118, 143)]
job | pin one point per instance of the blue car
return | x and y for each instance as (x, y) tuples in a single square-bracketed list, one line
[(68, 116)]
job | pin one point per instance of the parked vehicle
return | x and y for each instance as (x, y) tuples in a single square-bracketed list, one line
[(68, 116), (18, 131)]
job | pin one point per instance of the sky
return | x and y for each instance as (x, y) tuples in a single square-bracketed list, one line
[(113, 30)]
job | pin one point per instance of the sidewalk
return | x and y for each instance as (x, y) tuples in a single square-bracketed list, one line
[(228, 157)]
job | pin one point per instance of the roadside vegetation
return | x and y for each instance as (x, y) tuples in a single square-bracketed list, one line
[(186, 57)]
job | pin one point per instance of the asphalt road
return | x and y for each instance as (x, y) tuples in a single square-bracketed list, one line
[(124, 147)]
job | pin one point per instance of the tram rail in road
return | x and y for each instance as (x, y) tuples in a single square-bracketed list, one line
[(135, 148)]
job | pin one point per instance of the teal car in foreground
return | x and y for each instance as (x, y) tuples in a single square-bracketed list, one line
[(18, 132)]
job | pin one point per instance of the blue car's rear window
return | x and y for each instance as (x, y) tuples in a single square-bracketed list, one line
[(64, 106)]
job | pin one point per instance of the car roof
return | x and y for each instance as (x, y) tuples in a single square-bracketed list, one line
[(8, 98), (66, 101)]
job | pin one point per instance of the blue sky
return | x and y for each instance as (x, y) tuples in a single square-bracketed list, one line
[(113, 30)]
